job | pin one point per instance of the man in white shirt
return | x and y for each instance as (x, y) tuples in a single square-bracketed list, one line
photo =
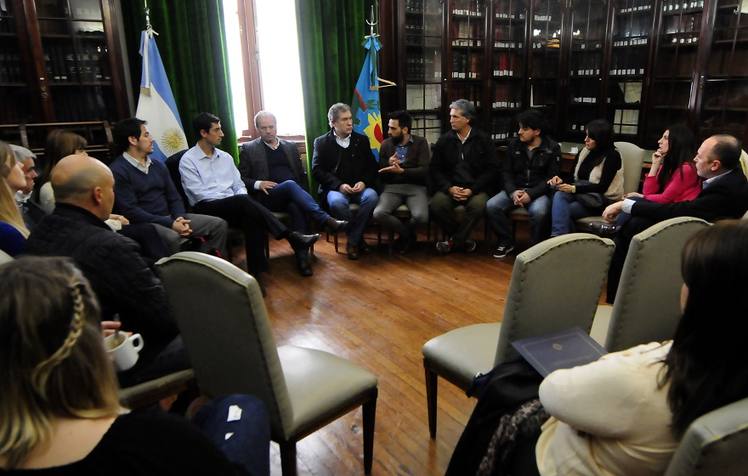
[(214, 186)]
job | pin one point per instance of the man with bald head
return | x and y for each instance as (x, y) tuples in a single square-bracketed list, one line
[(724, 194), (123, 282)]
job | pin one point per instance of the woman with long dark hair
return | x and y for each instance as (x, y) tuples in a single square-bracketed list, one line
[(598, 180), (672, 177), (60, 143), (625, 413)]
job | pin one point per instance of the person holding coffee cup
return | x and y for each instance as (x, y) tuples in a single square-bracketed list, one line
[(59, 411)]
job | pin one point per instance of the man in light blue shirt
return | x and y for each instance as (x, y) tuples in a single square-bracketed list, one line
[(214, 186)]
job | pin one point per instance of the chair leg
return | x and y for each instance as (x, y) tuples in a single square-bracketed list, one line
[(369, 410), (431, 389), (335, 239), (288, 458)]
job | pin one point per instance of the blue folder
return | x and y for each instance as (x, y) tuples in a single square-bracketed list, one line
[(561, 350)]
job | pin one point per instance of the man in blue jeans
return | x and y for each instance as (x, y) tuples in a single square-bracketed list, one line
[(272, 171), (346, 170), (531, 160)]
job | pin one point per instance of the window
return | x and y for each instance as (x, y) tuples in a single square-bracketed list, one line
[(268, 76)]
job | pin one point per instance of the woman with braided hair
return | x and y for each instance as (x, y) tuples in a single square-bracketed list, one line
[(59, 408)]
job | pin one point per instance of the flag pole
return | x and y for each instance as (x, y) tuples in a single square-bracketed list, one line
[(386, 83), (148, 28)]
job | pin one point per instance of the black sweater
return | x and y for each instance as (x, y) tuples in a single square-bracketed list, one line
[(121, 279), (147, 444)]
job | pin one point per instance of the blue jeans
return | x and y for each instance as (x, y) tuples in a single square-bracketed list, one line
[(291, 198), (499, 204), (249, 445), (564, 211), (366, 201)]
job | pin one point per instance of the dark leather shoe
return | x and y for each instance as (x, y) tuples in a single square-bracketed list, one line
[(404, 243), (336, 225), (352, 251), (300, 242), (603, 229), (304, 264), (363, 247)]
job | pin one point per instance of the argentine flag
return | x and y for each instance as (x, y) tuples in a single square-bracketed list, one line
[(156, 102)]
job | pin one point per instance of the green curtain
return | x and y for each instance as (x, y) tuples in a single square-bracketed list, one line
[(192, 44), (331, 35)]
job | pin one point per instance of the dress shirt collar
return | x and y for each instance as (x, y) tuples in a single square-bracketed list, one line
[(343, 142), (271, 146), (138, 165)]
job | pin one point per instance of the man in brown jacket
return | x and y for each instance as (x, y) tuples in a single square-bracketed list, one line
[(404, 164)]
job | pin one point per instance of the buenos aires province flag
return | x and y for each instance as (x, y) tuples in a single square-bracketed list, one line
[(156, 103), (367, 116)]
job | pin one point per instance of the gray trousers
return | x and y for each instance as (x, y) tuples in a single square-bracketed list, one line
[(394, 195), (214, 229)]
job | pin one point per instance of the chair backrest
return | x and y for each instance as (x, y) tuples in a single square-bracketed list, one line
[(647, 305), (714, 444), (225, 328), (555, 285), (5, 257), (744, 162), (172, 163), (632, 158)]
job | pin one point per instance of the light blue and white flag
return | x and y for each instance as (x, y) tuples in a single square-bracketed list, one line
[(156, 103)]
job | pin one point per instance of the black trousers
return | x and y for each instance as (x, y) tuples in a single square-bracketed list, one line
[(623, 241), (246, 213), (508, 386)]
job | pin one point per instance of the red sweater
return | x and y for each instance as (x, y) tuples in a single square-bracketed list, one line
[(681, 187)]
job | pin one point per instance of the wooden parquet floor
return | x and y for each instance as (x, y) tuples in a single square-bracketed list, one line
[(378, 312)]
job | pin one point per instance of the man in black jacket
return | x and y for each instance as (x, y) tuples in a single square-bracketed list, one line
[(123, 282), (724, 194), (531, 160), (404, 167), (346, 171), (462, 169)]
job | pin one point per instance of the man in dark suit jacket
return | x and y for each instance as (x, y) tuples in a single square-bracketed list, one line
[(346, 171), (271, 169), (724, 194)]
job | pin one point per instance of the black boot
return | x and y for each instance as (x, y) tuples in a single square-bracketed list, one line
[(300, 242), (335, 225), (304, 264)]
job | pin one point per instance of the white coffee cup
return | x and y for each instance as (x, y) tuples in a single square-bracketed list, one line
[(124, 349)]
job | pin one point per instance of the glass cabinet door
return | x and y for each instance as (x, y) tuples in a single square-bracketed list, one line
[(467, 31), (508, 66), (588, 21), (629, 64), (545, 56), (76, 58), (423, 44), (15, 97), (675, 67), (724, 104)]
